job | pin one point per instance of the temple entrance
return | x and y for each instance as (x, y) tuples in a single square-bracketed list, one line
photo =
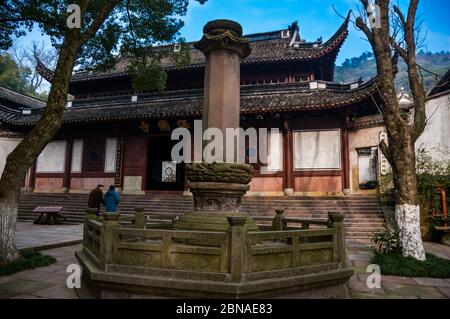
[(162, 172)]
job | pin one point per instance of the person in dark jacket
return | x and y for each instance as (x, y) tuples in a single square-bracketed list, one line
[(96, 198), (111, 200)]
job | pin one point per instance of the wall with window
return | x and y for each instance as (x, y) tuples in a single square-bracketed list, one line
[(77, 165), (318, 160), (361, 142)]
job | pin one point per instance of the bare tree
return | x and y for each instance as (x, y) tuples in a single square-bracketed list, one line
[(393, 35), (26, 59)]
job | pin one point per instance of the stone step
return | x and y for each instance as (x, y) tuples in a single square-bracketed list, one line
[(363, 213)]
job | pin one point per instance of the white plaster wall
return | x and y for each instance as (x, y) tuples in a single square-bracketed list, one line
[(368, 137), (77, 153), (52, 158), (437, 132), (317, 149), (7, 145), (111, 154)]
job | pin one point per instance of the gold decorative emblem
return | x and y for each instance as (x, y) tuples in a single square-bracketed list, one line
[(183, 123), (144, 126), (163, 125)]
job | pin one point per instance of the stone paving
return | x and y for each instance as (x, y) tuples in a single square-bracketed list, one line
[(393, 287), (50, 282), (45, 282), (47, 236)]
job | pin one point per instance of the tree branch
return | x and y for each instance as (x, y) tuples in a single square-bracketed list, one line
[(97, 23), (364, 28), (417, 88)]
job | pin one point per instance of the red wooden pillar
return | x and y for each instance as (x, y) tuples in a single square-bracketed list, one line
[(288, 178), (345, 157), (67, 166)]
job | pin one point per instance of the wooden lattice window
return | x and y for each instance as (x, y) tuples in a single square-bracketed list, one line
[(94, 155)]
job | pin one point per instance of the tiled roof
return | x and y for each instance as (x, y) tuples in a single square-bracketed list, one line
[(367, 121), (266, 47), (442, 86), (24, 101), (255, 99)]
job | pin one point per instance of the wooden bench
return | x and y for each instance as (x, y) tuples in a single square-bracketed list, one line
[(48, 215)]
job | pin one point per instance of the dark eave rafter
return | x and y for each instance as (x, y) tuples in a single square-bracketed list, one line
[(257, 99)]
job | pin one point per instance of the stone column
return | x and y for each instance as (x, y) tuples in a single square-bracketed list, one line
[(223, 48), (218, 187)]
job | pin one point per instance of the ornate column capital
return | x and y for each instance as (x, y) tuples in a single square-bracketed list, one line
[(223, 35)]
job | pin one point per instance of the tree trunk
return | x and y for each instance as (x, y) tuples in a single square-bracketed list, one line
[(22, 157), (407, 209)]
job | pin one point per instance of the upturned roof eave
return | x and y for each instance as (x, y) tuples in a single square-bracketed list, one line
[(330, 47)]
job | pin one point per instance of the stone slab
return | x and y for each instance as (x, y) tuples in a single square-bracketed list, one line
[(410, 290), (437, 282), (56, 292), (23, 286), (41, 237)]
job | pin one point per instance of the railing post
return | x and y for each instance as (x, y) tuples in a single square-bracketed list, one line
[(91, 214), (139, 218), (336, 222), (237, 238), (278, 223), (110, 222)]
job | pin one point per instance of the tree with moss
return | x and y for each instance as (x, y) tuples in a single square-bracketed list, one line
[(88, 33)]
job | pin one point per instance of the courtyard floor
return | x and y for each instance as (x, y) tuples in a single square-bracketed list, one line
[(50, 282), (29, 235), (393, 287)]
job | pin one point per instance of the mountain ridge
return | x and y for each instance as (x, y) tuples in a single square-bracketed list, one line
[(364, 67)]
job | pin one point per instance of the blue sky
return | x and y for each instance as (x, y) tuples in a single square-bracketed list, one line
[(316, 18)]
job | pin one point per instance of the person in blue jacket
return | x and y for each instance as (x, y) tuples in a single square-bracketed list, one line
[(111, 200)]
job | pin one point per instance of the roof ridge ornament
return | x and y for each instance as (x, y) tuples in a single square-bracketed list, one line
[(295, 30)]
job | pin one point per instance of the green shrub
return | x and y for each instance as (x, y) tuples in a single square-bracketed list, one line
[(395, 264), (387, 241), (431, 175), (31, 259)]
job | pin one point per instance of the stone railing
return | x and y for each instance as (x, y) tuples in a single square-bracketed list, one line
[(229, 256)]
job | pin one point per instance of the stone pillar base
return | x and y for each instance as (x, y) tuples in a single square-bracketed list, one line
[(212, 221), (289, 192), (347, 192), (217, 189)]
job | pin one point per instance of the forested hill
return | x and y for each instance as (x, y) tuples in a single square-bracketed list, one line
[(364, 67)]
